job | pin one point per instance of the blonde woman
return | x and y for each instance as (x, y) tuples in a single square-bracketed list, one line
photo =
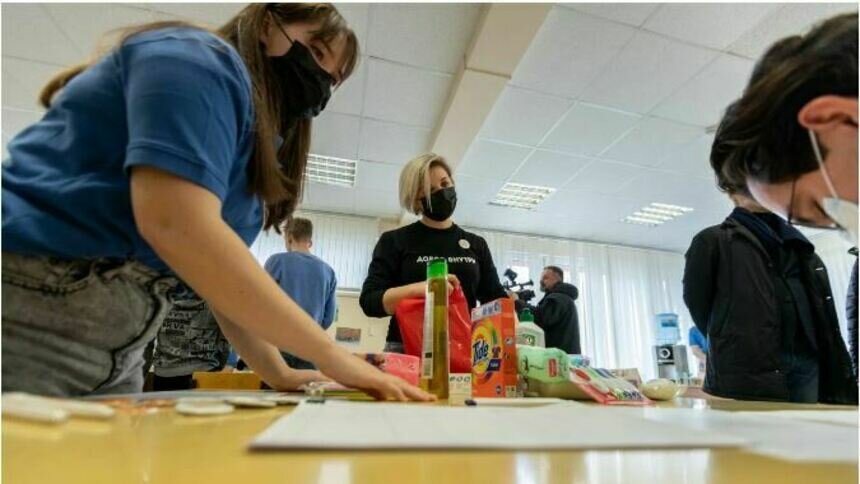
[(399, 266)]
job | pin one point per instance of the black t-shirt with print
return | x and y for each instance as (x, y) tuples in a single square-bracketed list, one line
[(401, 257)]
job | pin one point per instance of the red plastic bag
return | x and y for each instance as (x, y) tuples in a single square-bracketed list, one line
[(410, 319)]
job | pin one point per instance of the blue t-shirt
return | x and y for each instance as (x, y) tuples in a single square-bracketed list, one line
[(309, 281), (176, 99), (698, 339)]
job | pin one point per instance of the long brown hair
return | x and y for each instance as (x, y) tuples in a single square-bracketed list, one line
[(275, 175)]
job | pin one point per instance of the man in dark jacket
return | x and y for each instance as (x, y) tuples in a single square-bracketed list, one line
[(556, 312), (756, 288), (754, 285)]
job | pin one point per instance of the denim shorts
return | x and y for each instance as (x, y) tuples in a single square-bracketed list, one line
[(189, 339), (78, 327)]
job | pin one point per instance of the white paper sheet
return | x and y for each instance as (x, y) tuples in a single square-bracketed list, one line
[(837, 417), (776, 436), (358, 425)]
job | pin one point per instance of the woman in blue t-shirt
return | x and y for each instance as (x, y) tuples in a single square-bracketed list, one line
[(164, 158)]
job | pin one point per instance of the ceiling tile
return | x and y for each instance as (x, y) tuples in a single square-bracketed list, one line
[(714, 25), (214, 14), (647, 70), (403, 94), (491, 160), (23, 81), (376, 203), (549, 169), (604, 176), (356, 16), (596, 208), (22, 21), (633, 14), (791, 19), (588, 43), (336, 135), (523, 116), (391, 143), (328, 198), (670, 187), (432, 36), (588, 130), (378, 176), (475, 190), (692, 158), (88, 25), (703, 100), (649, 142), (349, 97)]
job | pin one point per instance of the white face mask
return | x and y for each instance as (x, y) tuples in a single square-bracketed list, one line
[(842, 211)]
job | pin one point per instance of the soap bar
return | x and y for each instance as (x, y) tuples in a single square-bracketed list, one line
[(660, 389)]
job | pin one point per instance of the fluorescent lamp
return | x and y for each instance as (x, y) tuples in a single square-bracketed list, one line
[(525, 197), (655, 214), (331, 171)]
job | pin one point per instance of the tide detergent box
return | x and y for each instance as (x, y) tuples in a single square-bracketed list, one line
[(494, 350)]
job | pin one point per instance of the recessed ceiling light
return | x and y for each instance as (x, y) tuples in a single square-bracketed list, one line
[(331, 171), (525, 197), (655, 214)]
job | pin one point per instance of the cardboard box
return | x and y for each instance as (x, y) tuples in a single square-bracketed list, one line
[(494, 350), (459, 388)]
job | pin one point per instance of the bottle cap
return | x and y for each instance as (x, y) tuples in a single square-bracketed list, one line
[(526, 316), (437, 268)]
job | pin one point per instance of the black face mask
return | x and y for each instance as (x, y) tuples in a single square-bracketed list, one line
[(306, 87), (443, 203)]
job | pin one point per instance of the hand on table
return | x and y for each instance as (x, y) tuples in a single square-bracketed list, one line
[(351, 371)]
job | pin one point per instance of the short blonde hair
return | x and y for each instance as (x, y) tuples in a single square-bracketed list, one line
[(415, 180)]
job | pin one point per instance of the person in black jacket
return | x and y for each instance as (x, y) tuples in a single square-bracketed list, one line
[(556, 312), (398, 269), (756, 288)]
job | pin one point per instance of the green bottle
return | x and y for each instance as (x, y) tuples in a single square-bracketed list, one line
[(529, 333), (434, 354)]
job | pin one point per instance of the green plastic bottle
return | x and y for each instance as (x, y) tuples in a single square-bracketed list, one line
[(529, 333), (434, 355)]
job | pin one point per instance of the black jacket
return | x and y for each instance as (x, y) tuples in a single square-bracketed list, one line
[(557, 317), (731, 289), (851, 309)]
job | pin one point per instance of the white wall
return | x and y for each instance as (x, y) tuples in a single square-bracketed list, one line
[(350, 315)]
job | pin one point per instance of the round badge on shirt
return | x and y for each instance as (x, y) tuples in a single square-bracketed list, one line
[(465, 244)]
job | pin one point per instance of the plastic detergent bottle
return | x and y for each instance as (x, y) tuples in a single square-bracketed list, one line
[(529, 333), (434, 355)]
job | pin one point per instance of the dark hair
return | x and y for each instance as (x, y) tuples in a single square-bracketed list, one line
[(763, 138), (300, 229), (721, 149), (276, 176), (557, 270)]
